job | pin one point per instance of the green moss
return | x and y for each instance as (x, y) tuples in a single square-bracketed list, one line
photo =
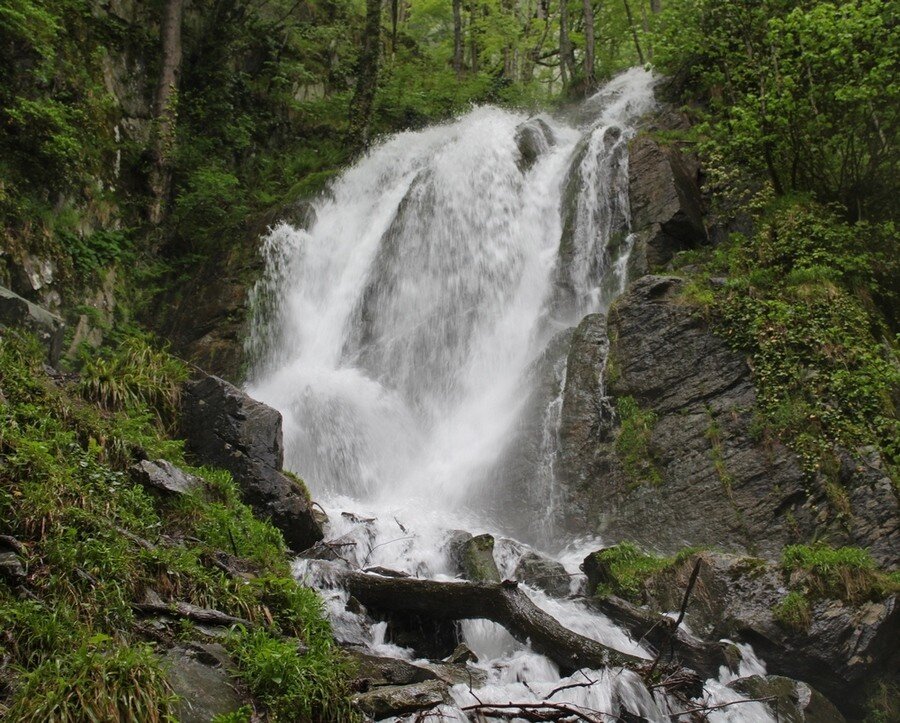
[(626, 567), (633, 442), (793, 611)]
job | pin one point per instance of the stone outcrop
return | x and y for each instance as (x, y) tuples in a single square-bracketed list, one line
[(393, 700), (165, 477), (721, 483), (225, 427), (200, 675), (665, 200), (16, 312), (842, 649)]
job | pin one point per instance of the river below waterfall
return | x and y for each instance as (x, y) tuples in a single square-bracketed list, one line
[(399, 332)]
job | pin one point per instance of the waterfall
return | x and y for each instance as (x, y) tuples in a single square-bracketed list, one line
[(399, 326), (413, 335)]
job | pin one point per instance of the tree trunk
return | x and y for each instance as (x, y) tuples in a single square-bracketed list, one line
[(634, 34), (166, 108), (501, 603), (566, 61), (367, 77), (656, 6), (457, 38), (589, 77)]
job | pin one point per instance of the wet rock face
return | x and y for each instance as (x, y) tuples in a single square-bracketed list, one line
[(543, 573), (666, 205), (720, 484), (16, 312), (224, 427), (843, 647)]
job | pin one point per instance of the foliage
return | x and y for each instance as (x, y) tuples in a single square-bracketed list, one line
[(633, 442), (95, 542), (801, 91), (847, 573), (807, 298)]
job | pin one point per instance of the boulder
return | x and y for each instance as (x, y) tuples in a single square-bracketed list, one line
[(199, 676), (718, 482), (16, 312), (844, 646), (164, 476), (543, 573), (533, 138), (393, 700), (794, 701), (226, 428), (473, 557), (666, 205), (375, 670)]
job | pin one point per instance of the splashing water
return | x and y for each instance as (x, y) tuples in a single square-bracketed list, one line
[(399, 332)]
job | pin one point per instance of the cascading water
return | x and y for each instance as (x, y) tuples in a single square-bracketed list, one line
[(399, 333)]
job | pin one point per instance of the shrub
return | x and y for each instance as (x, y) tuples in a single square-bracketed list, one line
[(633, 442)]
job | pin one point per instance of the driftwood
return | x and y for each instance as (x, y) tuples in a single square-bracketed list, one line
[(185, 610), (502, 603)]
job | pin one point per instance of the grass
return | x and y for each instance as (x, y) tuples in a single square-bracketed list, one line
[(633, 442), (95, 542), (845, 573)]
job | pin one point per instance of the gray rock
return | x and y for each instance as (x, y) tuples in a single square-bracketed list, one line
[(390, 700), (11, 568), (666, 206), (375, 670), (474, 557), (16, 312), (533, 138), (795, 701), (227, 428), (543, 573), (199, 676), (165, 476), (721, 484)]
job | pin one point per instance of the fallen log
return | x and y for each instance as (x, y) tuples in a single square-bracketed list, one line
[(204, 616), (662, 634), (503, 603)]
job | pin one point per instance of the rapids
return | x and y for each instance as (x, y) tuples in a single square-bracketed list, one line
[(397, 332)]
